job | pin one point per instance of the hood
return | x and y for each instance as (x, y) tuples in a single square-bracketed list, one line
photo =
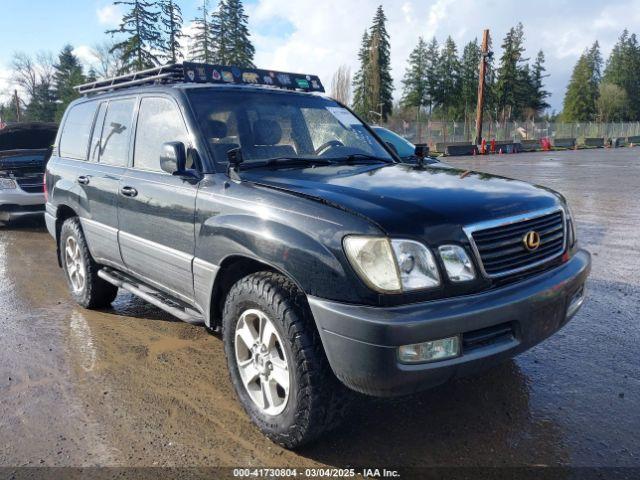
[(404, 200)]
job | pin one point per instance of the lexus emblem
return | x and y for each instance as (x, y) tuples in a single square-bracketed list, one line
[(531, 240)]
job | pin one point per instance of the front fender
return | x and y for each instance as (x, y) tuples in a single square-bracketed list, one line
[(307, 261)]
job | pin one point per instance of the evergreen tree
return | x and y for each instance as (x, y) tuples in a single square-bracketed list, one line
[(42, 105), (539, 98), (580, 99), (469, 76), (202, 40), (171, 20), (92, 75), (509, 84), (415, 83), (230, 35), (372, 83), (448, 92), (68, 73), (361, 79), (380, 66), (623, 70), (142, 37), (431, 72)]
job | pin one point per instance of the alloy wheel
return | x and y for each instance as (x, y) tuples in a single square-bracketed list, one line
[(262, 362)]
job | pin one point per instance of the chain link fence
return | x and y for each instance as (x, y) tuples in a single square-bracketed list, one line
[(437, 131)]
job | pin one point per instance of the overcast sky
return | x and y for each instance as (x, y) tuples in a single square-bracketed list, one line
[(316, 36)]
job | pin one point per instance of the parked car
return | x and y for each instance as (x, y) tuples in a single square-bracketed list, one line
[(275, 216), (24, 150), (404, 148)]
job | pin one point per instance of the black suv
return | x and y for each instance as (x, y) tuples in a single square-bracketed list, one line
[(231, 197)]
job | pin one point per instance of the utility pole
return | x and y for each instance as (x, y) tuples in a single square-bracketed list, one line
[(481, 81), (17, 100)]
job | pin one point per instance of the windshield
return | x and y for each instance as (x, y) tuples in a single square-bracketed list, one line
[(403, 146), (276, 125)]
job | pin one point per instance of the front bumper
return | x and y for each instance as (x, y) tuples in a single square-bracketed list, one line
[(361, 342), (17, 202)]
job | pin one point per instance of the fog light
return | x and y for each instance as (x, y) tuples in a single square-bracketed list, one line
[(430, 351)]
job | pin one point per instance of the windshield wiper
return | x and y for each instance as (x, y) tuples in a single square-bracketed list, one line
[(288, 162), (365, 158)]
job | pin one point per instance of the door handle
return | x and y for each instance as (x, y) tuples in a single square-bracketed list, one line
[(129, 191), (83, 179)]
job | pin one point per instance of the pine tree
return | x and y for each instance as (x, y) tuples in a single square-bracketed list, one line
[(230, 34), (415, 84), (469, 75), (431, 73), (580, 99), (361, 79), (142, 37), (623, 69), (92, 75), (509, 76), (539, 100), (42, 105), (202, 41), (68, 73), (381, 83), (171, 20), (448, 92)]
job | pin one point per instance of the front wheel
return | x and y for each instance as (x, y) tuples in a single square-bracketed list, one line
[(86, 287), (276, 362)]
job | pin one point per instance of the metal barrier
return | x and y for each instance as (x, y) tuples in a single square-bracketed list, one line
[(594, 142)]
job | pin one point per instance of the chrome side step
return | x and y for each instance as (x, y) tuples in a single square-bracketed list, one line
[(149, 294)]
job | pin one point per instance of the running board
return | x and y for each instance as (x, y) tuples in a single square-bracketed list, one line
[(149, 294)]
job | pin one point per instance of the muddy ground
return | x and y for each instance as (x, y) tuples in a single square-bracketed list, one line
[(131, 386)]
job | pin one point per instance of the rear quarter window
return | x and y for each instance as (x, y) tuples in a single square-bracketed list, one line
[(74, 139)]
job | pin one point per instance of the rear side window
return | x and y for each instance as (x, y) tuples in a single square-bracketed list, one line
[(116, 132), (77, 128), (159, 121)]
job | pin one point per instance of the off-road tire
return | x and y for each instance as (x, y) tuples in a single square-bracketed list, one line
[(317, 400), (97, 293)]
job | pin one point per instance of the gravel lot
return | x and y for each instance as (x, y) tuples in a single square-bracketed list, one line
[(133, 387)]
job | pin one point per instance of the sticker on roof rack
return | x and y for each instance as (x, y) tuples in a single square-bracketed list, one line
[(206, 73)]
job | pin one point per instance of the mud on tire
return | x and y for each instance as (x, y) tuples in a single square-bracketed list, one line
[(317, 401), (95, 292)]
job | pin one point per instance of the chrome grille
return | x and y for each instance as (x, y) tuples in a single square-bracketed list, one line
[(501, 249)]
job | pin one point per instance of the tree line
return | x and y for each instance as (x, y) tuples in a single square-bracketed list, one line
[(605, 92), (440, 80), (443, 83)]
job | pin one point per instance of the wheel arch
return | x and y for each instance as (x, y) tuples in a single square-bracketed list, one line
[(63, 213), (232, 269)]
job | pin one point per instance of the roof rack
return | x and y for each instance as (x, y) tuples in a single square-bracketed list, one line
[(190, 72)]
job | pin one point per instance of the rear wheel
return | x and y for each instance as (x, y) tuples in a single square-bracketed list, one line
[(276, 361), (81, 271)]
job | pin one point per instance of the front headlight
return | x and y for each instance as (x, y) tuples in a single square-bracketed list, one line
[(457, 263), (7, 184), (392, 266), (417, 266), (372, 259)]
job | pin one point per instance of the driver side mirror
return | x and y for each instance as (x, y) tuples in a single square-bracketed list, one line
[(422, 150), (173, 158)]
